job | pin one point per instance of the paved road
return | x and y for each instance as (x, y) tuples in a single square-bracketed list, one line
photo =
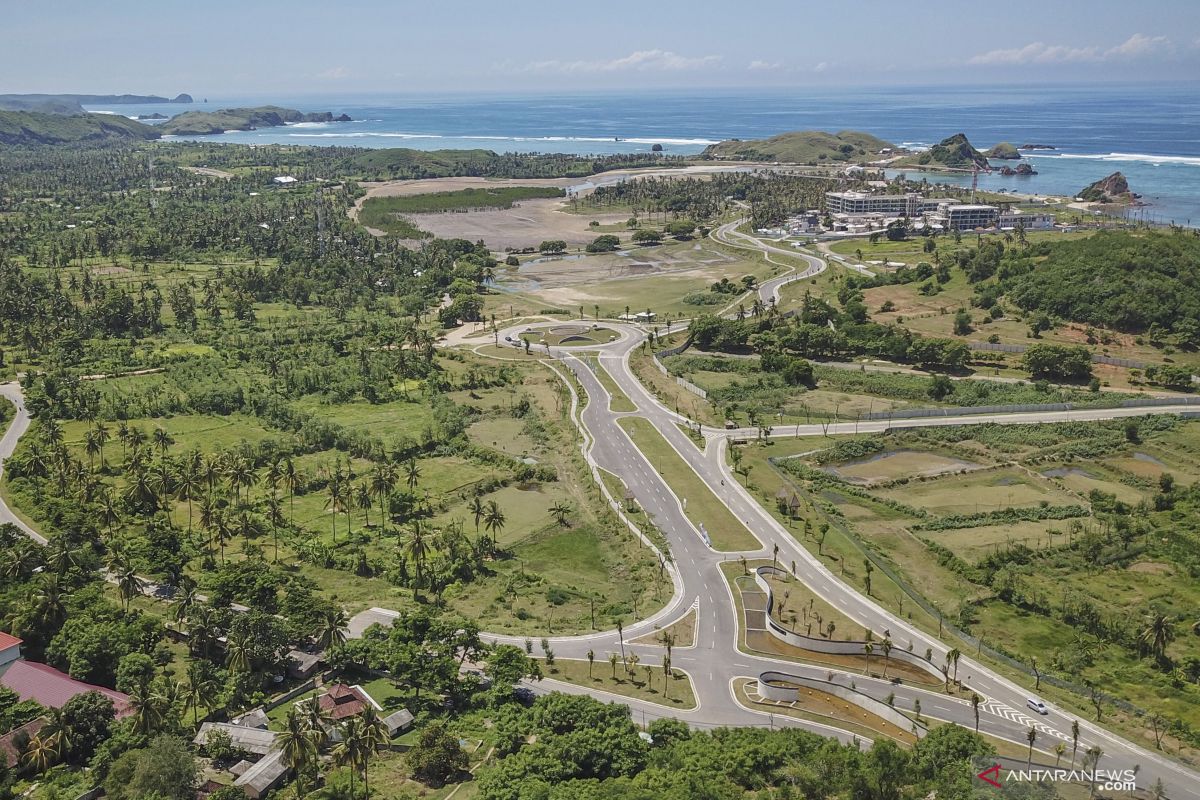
[(716, 658)]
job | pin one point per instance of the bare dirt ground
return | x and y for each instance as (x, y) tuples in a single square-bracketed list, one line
[(525, 225)]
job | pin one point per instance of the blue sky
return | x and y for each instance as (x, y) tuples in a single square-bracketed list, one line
[(251, 47)]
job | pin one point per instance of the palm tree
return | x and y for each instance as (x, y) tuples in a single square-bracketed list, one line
[(975, 700), (374, 737), (317, 722), (1031, 737), (163, 439), (337, 498), (57, 731), (185, 600), (332, 632), (292, 480), (277, 519), (200, 690), (412, 474), (237, 652), (103, 435), (1074, 741), (147, 708), (952, 658), (40, 754), (383, 478), (1059, 749), (886, 646), (1158, 633), (129, 585), (559, 511), (868, 648), (202, 629), (296, 743), (416, 550), (494, 520), (242, 475), (349, 751), (91, 446), (362, 499), (187, 485), (1091, 760), (477, 510)]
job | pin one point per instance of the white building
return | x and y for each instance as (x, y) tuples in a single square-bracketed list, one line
[(910, 204), (1030, 220), (963, 216)]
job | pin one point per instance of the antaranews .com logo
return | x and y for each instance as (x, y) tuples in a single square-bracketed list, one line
[(1105, 780)]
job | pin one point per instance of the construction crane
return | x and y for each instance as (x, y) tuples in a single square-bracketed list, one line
[(975, 169)]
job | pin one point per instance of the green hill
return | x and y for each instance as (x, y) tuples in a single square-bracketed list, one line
[(803, 147), (1004, 150), (954, 152), (28, 127), (203, 123)]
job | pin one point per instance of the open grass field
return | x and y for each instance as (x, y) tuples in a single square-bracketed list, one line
[(981, 491), (637, 681), (893, 464), (656, 278), (702, 506)]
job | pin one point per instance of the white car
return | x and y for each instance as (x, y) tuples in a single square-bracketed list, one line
[(1037, 705)]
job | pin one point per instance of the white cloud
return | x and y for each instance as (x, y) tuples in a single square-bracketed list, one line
[(639, 61), (334, 74), (1138, 45), (758, 65), (824, 65)]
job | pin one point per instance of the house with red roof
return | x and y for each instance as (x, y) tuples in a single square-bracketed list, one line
[(341, 701), (44, 684)]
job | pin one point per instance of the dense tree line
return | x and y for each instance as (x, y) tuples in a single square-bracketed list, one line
[(771, 196)]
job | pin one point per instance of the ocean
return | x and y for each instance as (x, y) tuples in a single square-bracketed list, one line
[(1150, 133)]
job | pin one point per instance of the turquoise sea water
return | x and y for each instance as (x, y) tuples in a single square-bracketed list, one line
[(1151, 133)]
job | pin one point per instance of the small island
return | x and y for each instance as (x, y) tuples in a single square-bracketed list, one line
[(206, 123), (1112, 190), (1037, 147), (1004, 151), (954, 152)]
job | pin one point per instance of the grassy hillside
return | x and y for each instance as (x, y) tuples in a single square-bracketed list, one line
[(803, 147), (26, 127)]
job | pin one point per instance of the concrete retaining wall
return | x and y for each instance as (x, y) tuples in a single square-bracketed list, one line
[(836, 646), (863, 701)]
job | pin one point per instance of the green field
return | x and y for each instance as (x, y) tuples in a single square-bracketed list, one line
[(634, 681), (702, 506), (1010, 579)]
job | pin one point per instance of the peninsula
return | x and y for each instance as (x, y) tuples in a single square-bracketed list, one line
[(203, 123)]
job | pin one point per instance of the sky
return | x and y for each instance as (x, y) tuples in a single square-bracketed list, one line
[(252, 47)]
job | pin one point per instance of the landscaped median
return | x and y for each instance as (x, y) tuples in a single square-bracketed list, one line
[(702, 506), (642, 680)]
